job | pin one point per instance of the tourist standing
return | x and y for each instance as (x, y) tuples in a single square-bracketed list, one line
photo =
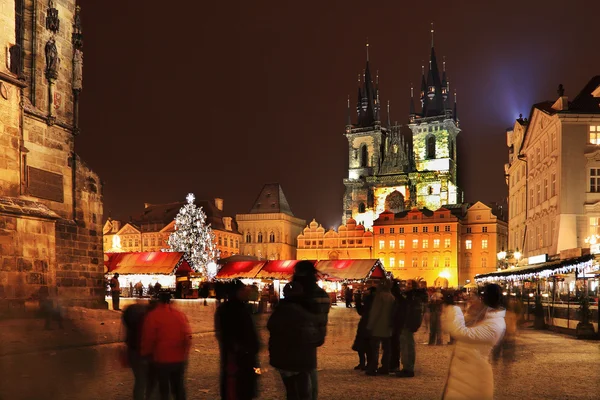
[(471, 375), (317, 301), (166, 340), (115, 291), (408, 318), (348, 296), (380, 330), (238, 345), (361, 341), (435, 315)]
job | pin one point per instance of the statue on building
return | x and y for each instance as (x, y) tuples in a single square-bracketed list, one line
[(52, 59), (78, 70), (77, 36), (52, 21)]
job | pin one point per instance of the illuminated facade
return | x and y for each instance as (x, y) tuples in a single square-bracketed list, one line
[(553, 174), (150, 231), (446, 247), (393, 167), (269, 231), (351, 241)]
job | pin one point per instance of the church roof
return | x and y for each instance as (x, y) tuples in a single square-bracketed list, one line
[(585, 101), (271, 200)]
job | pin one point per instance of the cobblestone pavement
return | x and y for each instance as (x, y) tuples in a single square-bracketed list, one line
[(548, 366)]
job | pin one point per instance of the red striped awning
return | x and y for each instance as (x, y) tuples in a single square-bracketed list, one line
[(351, 270), (147, 263), (240, 270), (278, 269)]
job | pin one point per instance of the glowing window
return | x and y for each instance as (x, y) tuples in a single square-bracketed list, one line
[(381, 244), (415, 243), (436, 243), (401, 243), (446, 243), (468, 244), (424, 263), (436, 262), (447, 262), (595, 134), (401, 263), (425, 243), (415, 262), (392, 262), (484, 243), (392, 244), (595, 180)]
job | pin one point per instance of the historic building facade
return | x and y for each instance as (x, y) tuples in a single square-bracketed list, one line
[(553, 174), (50, 201), (351, 241), (445, 247), (151, 230), (393, 167), (269, 231)]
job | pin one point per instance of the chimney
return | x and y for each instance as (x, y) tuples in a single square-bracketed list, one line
[(219, 204)]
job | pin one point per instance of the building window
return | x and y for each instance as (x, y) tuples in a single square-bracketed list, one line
[(425, 243), (392, 244), (392, 262), (237, 244), (230, 242), (538, 194), (436, 262), (537, 155), (484, 229), (447, 228), (392, 230), (381, 231), (314, 242), (447, 262), (484, 243), (272, 237), (545, 189), (259, 238), (153, 241), (401, 230), (351, 241), (424, 263), (436, 243), (484, 262), (436, 228), (401, 243), (594, 222), (248, 238), (430, 147), (381, 244), (469, 230), (595, 134), (343, 242), (415, 262), (468, 263), (415, 229), (553, 185), (130, 243), (425, 229), (468, 244), (401, 263), (146, 242), (137, 243), (595, 180), (553, 144), (415, 243), (361, 208), (544, 235), (531, 198), (220, 241), (359, 241), (446, 243), (364, 155)]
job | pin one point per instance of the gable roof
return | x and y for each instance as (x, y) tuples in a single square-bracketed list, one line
[(128, 229), (271, 200), (585, 102)]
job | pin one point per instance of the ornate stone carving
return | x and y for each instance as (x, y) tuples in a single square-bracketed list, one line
[(78, 70), (77, 37), (52, 59), (52, 21)]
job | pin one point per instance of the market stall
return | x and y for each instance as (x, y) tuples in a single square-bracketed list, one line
[(338, 273)]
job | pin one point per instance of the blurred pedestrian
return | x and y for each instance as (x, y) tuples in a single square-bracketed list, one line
[(471, 375), (166, 340), (317, 301), (505, 349), (238, 345), (139, 287), (408, 317), (361, 341), (115, 291), (435, 315), (133, 319), (380, 330), (204, 292), (254, 297), (348, 296), (294, 338)]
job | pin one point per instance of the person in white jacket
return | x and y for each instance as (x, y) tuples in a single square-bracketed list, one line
[(470, 375)]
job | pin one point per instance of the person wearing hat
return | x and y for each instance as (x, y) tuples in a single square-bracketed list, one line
[(316, 301), (166, 342), (115, 291)]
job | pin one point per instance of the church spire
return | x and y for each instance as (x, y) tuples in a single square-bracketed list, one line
[(349, 117), (434, 102), (412, 104), (368, 113), (423, 88)]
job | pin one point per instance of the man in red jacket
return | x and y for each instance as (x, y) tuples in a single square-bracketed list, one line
[(166, 340)]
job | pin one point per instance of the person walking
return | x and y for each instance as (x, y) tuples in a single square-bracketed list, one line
[(471, 375), (316, 301), (238, 345), (166, 340), (435, 315), (294, 338), (348, 296), (115, 291), (380, 330), (407, 319), (361, 341)]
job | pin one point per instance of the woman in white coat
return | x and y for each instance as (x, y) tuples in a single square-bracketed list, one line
[(470, 375)]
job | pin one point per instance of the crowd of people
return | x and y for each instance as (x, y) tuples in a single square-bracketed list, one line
[(159, 337)]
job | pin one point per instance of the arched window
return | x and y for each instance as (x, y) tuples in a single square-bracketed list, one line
[(248, 237), (451, 144), (430, 147), (271, 237), (364, 154), (259, 238), (361, 208)]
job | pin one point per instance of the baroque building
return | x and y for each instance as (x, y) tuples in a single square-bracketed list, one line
[(394, 167), (50, 201), (269, 231), (351, 241), (151, 230), (553, 174), (445, 247)]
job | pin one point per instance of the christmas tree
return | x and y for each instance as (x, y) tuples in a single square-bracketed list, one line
[(195, 238)]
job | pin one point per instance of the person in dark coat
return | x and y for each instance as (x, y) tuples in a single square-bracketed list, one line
[(348, 296), (238, 345), (408, 316), (395, 352), (203, 292), (294, 338), (361, 341)]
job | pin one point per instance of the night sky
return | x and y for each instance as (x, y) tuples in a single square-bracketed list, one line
[(220, 97)]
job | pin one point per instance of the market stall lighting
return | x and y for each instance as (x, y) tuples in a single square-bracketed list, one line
[(530, 294), (501, 255), (581, 268), (517, 254)]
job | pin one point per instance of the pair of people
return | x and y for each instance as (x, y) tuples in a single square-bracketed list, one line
[(158, 342)]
